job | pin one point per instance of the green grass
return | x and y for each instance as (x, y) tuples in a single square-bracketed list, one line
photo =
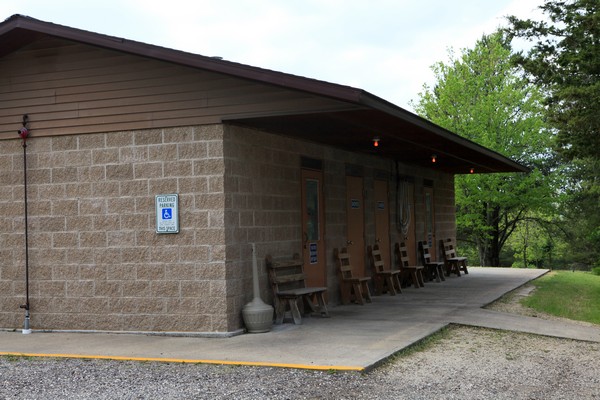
[(573, 295), (15, 357), (422, 345)]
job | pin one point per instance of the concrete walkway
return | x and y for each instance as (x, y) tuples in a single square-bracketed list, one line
[(354, 338)]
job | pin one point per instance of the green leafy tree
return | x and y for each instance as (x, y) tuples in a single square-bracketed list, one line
[(483, 97), (565, 61), (537, 242)]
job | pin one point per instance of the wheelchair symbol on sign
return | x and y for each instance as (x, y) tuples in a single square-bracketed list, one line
[(167, 213)]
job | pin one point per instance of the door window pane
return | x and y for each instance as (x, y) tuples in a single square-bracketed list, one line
[(429, 218)]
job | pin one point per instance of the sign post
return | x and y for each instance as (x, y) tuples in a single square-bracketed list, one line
[(167, 213)]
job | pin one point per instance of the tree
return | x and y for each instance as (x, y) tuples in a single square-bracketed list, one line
[(538, 241), (482, 96), (565, 62)]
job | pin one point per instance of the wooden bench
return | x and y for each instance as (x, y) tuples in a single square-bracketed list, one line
[(384, 280), (454, 264), (351, 287), (414, 272), (435, 269), (289, 288)]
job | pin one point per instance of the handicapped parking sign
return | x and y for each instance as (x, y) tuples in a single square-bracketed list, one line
[(167, 213)]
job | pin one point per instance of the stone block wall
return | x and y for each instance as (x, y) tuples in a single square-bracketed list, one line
[(263, 194), (96, 262), (445, 211)]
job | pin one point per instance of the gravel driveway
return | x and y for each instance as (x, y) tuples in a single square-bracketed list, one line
[(461, 363)]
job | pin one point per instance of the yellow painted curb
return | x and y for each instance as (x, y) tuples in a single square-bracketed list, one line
[(187, 361)]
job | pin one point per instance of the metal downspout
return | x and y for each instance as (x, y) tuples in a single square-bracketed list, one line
[(24, 133)]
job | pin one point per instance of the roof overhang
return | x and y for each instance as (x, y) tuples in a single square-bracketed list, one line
[(403, 136), (399, 139)]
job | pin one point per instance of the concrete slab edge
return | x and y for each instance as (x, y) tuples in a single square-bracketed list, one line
[(144, 333), (515, 289), (188, 361), (526, 331), (386, 359)]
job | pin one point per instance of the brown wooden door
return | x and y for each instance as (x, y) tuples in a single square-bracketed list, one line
[(355, 219), (313, 228), (430, 221), (382, 221), (407, 219)]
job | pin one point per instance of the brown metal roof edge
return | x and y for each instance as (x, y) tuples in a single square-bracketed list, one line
[(318, 87)]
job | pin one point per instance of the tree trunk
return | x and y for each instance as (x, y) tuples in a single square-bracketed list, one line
[(525, 244), (489, 248)]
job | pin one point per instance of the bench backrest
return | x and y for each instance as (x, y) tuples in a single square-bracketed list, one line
[(376, 259), (342, 258), (401, 252), (425, 254), (286, 274), (448, 246)]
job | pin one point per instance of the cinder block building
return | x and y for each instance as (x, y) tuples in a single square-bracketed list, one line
[(251, 155)]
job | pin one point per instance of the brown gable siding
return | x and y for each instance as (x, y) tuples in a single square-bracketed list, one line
[(69, 88)]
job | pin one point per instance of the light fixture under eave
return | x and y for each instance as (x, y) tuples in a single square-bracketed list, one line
[(472, 170), (434, 158), (376, 141)]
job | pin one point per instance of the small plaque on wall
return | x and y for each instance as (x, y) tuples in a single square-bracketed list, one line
[(313, 253), (167, 213)]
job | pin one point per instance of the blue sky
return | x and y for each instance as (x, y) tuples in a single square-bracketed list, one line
[(385, 47)]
